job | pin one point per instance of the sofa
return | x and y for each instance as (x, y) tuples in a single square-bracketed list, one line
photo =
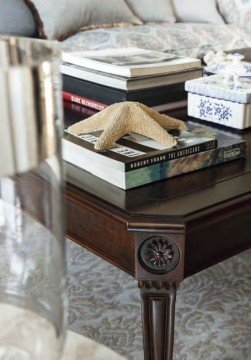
[(190, 28), (187, 39)]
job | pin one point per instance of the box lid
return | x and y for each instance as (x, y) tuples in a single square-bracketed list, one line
[(215, 86)]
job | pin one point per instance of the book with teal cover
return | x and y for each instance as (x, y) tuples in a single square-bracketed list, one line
[(230, 147)]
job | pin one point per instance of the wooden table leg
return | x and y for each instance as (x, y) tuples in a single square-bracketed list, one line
[(159, 263), (158, 311)]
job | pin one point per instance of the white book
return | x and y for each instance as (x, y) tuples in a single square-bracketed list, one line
[(128, 84), (93, 166), (130, 62)]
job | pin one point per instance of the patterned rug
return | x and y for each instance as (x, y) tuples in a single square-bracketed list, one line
[(212, 310)]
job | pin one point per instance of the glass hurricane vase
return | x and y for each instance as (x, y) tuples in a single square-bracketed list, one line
[(32, 263)]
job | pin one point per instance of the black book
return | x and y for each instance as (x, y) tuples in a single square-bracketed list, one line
[(109, 96)]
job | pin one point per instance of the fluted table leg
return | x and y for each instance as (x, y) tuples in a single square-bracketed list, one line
[(158, 312)]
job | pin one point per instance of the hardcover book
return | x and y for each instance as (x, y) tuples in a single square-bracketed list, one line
[(130, 62), (229, 148), (97, 106), (107, 96), (129, 84), (81, 100)]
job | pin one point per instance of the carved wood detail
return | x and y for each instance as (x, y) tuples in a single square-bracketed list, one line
[(159, 254), (158, 312)]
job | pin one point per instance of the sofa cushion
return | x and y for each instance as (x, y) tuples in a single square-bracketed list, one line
[(189, 11), (16, 18), (66, 17), (153, 11), (192, 40), (236, 11)]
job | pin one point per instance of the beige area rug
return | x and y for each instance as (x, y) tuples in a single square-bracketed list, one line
[(212, 311)]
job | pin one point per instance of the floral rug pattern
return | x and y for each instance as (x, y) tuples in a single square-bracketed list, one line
[(212, 310)]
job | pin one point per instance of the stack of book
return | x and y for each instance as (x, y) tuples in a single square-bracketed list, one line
[(136, 160), (97, 79)]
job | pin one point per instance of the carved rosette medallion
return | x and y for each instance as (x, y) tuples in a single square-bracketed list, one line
[(159, 254)]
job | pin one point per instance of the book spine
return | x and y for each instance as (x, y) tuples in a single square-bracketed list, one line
[(188, 164), (172, 155), (108, 95), (100, 93), (79, 109), (172, 107), (83, 101)]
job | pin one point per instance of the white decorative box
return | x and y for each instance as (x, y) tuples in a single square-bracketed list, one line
[(223, 102)]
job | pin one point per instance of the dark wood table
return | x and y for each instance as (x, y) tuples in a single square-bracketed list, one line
[(197, 220)]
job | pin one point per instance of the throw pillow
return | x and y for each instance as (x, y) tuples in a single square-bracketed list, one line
[(202, 11), (236, 11), (16, 18), (65, 17), (152, 10)]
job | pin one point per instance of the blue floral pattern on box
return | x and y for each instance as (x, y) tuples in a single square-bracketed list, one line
[(216, 111)]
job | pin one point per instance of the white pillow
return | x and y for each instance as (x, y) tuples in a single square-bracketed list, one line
[(62, 18), (201, 11), (236, 12), (153, 10)]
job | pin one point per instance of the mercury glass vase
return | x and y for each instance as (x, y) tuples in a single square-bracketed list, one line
[(32, 253)]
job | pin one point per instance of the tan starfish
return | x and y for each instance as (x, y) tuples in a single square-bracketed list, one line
[(122, 118)]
